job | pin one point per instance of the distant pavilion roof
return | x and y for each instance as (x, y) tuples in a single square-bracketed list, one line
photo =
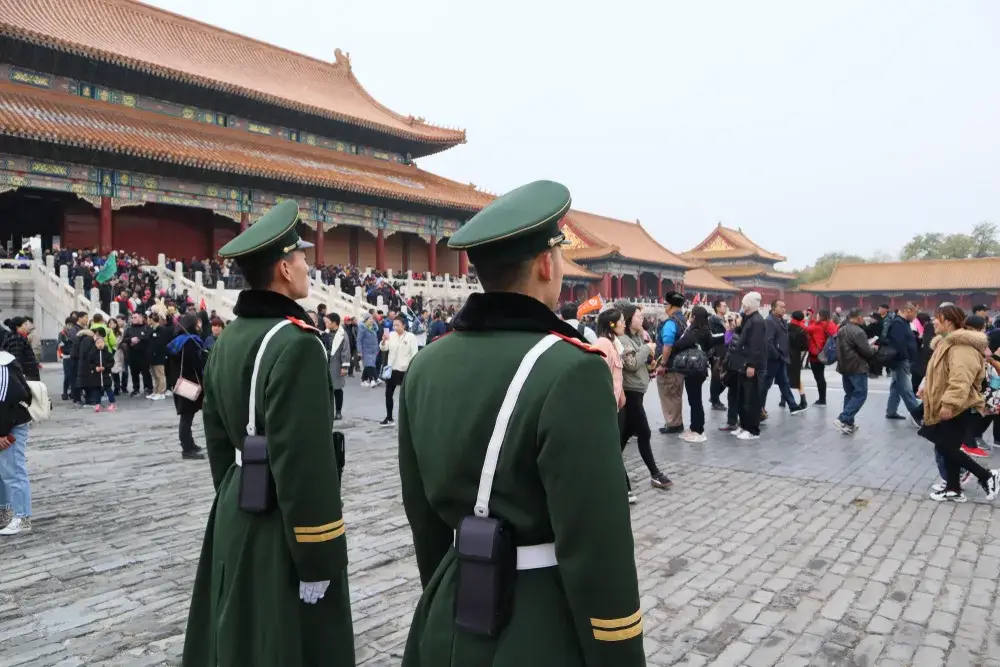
[(928, 275), (726, 243), (598, 236), (749, 272), (83, 123), (702, 279), (151, 40), (573, 270)]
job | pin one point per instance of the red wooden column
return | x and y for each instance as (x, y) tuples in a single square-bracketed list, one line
[(320, 234), (380, 251), (432, 255), (104, 233), (606, 286), (463, 263), (659, 287), (244, 220)]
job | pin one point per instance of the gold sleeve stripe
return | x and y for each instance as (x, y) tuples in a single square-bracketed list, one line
[(619, 635), (322, 537), (613, 623), (308, 530)]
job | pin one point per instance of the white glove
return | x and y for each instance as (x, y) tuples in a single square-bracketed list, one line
[(312, 591)]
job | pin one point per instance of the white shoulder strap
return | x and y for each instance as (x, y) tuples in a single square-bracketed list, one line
[(503, 419), (252, 418)]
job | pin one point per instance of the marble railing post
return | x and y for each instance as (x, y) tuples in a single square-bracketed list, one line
[(161, 261), (64, 275), (114, 309), (50, 263), (336, 284), (199, 289), (379, 303)]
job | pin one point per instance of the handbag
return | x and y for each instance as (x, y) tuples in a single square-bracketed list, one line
[(692, 362), (186, 388), (40, 405), (387, 372)]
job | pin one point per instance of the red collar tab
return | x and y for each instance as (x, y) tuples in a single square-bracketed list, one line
[(305, 326), (578, 343)]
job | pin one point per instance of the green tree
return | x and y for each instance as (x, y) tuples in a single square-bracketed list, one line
[(824, 266), (984, 240), (923, 246)]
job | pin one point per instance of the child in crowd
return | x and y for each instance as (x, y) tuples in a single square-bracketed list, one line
[(100, 362)]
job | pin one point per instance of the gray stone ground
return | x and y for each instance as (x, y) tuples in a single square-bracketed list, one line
[(806, 548)]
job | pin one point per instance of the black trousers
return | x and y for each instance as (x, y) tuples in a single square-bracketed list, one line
[(632, 421), (141, 369), (69, 377), (978, 425), (338, 399), (716, 385), (749, 395), (733, 400), (819, 374), (948, 437), (693, 385), (184, 430), (390, 391)]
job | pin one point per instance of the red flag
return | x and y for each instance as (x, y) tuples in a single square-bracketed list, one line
[(201, 304), (697, 300)]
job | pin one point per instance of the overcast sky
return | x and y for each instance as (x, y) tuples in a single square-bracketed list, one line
[(814, 126)]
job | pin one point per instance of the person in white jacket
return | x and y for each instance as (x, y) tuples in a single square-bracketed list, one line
[(401, 346)]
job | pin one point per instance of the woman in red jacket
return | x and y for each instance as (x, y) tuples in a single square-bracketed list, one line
[(818, 330)]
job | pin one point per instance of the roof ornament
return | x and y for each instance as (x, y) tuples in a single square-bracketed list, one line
[(342, 59), (637, 222)]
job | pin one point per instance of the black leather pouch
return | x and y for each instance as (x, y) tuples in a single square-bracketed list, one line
[(340, 451), (487, 566), (257, 494)]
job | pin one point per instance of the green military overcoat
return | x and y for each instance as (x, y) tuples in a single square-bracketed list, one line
[(245, 610), (559, 479)]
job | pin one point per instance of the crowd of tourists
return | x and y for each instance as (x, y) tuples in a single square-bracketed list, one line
[(943, 368)]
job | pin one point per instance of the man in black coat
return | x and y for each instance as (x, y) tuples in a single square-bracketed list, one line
[(752, 352), (136, 340), (778, 358)]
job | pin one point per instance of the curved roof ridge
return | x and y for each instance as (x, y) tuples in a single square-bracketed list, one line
[(633, 250), (133, 34)]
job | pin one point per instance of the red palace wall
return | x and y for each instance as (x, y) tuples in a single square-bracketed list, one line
[(151, 229)]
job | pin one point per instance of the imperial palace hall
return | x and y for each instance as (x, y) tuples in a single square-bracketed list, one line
[(124, 126)]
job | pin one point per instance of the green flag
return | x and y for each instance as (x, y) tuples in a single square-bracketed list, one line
[(110, 268)]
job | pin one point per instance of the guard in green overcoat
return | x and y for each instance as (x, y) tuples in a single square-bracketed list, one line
[(271, 588), (558, 484)]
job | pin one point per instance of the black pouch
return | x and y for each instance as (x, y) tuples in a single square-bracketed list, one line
[(257, 494), (487, 566), (340, 451)]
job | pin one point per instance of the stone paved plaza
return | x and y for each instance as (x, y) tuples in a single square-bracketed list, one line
[(806, 548)]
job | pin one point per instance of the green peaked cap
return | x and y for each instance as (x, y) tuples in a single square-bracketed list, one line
[(269, 238), (517, 226)]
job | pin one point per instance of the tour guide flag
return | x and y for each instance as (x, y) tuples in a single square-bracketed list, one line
[(110, 268), (591, 305)]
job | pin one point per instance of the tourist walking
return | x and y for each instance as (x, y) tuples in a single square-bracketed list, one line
[(15, 488), (271, 587), (669, 384), (819, 331), (368, 349), (610, 324), (400, 347), (778, 359), (951, 395), (854, 352), (339, 349), (632, 420), (698, 335), (748, 357), (480, 453), (900, 337), (189, 350)]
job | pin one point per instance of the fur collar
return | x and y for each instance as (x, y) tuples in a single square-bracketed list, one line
[(266, 304), (976, 339), (508, 311)]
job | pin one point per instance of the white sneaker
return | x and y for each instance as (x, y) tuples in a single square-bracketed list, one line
[(940, 486), (684, 435), (993, 485), (737, 432), (17, 525), (697, 438), (747, 435), (632, 498)]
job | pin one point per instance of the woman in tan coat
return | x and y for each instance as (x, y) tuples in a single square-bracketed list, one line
[(952, 393)]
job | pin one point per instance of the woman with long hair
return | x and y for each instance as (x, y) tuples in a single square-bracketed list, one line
[(698, 334), (610, 325), (401, 346), (188, 350), (637, 353), (951, 393)]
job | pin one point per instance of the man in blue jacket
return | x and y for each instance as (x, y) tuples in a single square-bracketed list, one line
[(901, 338)]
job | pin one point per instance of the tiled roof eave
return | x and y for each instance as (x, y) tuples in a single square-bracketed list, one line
[(164, 72), (208, 165)]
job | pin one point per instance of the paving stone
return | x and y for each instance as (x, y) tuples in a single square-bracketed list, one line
[(826, 551)]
